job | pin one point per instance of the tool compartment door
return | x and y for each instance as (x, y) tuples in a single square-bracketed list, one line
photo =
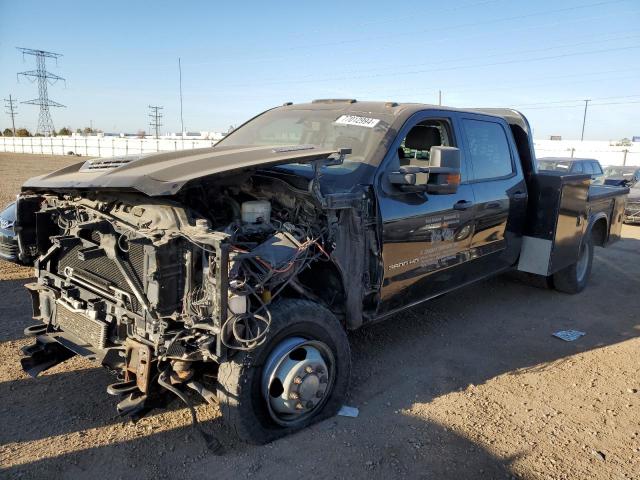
[(556, 222)]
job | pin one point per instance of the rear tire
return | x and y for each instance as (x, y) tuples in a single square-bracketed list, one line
[(574, 278), (245, 405)]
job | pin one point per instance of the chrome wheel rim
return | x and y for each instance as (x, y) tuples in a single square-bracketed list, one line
[(297, 379)]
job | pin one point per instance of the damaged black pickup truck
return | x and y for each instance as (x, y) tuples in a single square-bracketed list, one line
[(234, 273)]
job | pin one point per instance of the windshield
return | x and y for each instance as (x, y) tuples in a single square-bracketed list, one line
[(619, 171), (554, 165), (362, 133)]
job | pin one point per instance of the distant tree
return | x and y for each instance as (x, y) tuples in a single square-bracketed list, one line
[(78, 131), (7, 132), (23, 132), (88, 130), (141, 133), (64, 131)]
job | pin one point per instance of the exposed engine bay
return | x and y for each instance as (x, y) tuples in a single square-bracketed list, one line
[(162, 289)]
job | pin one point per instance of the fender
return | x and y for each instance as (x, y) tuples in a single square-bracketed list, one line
[(594, 219)]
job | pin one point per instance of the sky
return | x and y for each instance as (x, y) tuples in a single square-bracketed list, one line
[(239, 58)]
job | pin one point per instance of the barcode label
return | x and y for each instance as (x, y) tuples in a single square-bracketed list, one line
[(357, 121)]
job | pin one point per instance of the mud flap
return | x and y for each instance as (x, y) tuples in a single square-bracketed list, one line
[(43, 355)]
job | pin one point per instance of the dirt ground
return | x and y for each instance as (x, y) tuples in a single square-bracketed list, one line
[(471, 385)]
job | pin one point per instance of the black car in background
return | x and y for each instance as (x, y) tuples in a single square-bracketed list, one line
[(626, 176), (589, 166), (632, 208), (8, 240)]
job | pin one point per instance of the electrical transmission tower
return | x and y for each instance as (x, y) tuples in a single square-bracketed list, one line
[(156, 116), (10, 104), (44, 78)]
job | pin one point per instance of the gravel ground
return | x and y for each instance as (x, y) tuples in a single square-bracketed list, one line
[(471, 385)]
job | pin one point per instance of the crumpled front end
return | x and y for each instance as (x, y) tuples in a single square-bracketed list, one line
[(151, 289)]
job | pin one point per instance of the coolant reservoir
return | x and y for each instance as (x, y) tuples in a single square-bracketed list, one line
[(256, 211)]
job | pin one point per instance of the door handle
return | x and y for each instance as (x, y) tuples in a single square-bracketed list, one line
[(463, 205), (492, 205), (520, 195)]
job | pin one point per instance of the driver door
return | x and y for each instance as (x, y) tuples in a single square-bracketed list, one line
[(426, 237)]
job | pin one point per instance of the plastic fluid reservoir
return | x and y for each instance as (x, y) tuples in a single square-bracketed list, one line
[(256, 211)]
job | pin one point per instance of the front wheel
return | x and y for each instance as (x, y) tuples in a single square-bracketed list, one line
[(574, 278), (298, 376)]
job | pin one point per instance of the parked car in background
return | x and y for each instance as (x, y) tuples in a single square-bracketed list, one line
[(589, 166), (632, 208), (8, 240), (626, 176)]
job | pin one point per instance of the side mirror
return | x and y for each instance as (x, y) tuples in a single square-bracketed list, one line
[(442, 176), (444, 170)]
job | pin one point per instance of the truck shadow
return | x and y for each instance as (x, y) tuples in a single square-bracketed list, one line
[(15, 309), (468, 337)]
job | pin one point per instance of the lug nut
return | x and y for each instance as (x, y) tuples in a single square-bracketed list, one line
[(308, 369), (293, 396), (309, 404), (324, 379), (319, 394), (299, 406), (297, 380)]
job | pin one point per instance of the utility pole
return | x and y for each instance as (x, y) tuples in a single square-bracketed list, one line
[(584, 118), (439, 97), (10, 104), (155, 116), (44, 78), (181, 118)]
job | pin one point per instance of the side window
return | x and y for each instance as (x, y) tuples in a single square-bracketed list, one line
[(588, 168), (577, 168), (489, 149), (596, 168), (416, 146)]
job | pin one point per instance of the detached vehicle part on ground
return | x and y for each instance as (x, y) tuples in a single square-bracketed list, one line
[(234, 272)]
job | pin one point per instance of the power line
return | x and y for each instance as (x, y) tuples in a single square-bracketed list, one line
[(449, 27), (540, 81), (155, 116), (498, 53), (577, 106), (44, 78), (10, 105), (573, 100), (457, 67)]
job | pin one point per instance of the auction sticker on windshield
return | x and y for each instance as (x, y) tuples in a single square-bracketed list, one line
[(357, 121)]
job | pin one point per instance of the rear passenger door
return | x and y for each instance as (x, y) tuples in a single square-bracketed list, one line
[(500, 193)]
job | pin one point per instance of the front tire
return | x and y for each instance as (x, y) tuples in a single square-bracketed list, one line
[(574, 278), (298, 376)]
